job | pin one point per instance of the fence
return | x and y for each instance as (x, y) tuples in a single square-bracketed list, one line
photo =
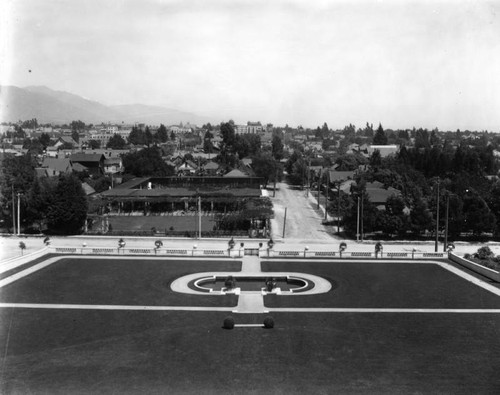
[(238, 253)]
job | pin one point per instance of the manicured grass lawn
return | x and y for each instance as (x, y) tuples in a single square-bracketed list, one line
[(84, 352), (382, 284), (115, 281), (185, 223), (53, 351)]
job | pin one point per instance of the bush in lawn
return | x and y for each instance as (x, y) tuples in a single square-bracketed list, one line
[(228, 323), (269, 322)]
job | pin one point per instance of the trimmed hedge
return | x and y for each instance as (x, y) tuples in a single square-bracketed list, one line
[(228, 323), (269, 322)]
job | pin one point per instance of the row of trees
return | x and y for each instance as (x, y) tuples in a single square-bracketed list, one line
[(58, 205), (469, 199), (462, 172)]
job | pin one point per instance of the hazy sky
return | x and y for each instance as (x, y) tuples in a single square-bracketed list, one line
[(402, 63)]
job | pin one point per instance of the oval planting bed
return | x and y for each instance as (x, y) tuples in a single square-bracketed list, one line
[(251, 283)]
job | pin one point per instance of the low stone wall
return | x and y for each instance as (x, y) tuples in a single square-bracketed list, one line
[(483, 270)]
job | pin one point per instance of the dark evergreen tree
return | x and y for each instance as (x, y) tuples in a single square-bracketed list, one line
[(277, 147), (380, 138), (44, 140), (148, 137), (68, 207), (161, 135), (136, 136)]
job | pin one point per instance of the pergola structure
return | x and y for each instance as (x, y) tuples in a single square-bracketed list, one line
[(150, 196)]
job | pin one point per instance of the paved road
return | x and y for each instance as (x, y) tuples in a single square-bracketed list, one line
[(303, 219)]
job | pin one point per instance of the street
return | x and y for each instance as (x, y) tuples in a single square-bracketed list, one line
[(303, 219)]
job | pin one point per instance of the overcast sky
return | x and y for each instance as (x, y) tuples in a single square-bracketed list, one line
[(402, 63)]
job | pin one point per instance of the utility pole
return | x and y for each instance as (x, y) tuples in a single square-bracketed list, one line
[(445, 246), (18, 213), (362, 209), (13, 212), (357, 224), (437, 219), (275, 177), (319, 185), (199, 217), (326, 197), (338, 208), (308, 176), (284, 223)]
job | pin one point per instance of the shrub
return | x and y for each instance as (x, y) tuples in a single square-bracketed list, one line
[(467, 256), (228, 323), (269, 322), (484, 253)]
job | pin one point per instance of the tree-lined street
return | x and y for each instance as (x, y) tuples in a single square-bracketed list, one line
[(303, 219)]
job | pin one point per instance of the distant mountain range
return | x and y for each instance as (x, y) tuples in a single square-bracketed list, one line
[(58, 107)]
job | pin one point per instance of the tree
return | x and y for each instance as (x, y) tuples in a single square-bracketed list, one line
[(277, 148), (162, 134), (228, 135), (44, 140), (136, 136), (33, 146), (148, 137), (77, 125), (68, 208), (94, 144), (380, 138), (75, 136), (375, 159), (389, 224), (37, 203), (420, 217), (478, 216), (266, 167), (147, 162), (116, 142), (207, 142)]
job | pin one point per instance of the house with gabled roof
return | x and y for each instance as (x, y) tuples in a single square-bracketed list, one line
[(65, 139), (211, 168), (57, 166), (186, 168), (93, 162), (379, 195)]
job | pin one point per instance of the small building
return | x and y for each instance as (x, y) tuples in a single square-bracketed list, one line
[(57, 166), (211, 168), (385, 150), (93, 162)]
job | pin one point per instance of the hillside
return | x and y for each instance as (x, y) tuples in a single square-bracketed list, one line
[(58, 107)]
